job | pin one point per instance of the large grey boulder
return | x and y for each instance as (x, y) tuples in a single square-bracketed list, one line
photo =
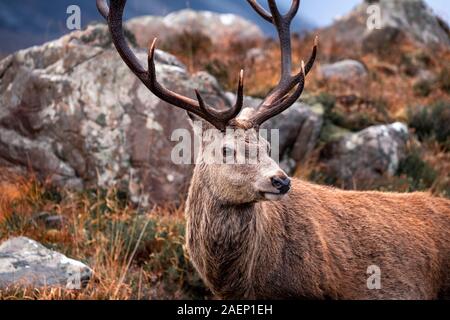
[(218, 28), (26, 263), (413, 17), (345, 70), (73, 112), (365, 156), (400, 19)]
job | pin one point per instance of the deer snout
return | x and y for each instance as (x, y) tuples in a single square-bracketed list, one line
[(281, 182)]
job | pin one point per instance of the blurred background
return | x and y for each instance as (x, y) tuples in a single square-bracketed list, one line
[(30, 22), (85, 148)]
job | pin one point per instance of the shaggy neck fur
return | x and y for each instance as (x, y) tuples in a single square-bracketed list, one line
[(233, 245), (223, 240)]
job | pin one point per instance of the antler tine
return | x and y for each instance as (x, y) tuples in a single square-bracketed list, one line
[(268, 16), (312, 59), (201, 102), (261, 11), (278, 100), (103, 8), (269, 109), (237, 108), (283, 26), (296, 79), (282, 104), (164, 94), (113, 15), (226, 116), (309, 65), (293, 10)]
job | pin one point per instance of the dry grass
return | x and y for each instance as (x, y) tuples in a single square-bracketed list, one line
[(393, 77), (135, 254)]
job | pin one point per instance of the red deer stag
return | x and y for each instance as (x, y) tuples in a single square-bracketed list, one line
[(254, 233)]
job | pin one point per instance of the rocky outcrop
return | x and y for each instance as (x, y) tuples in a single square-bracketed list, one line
[(218, 28), (412, 17), (413, 20), (366, 156), (73, 113), (26, 263), (345, 70)]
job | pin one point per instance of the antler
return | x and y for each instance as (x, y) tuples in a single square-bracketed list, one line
[(276, 102), (220, 120), (279, 99)]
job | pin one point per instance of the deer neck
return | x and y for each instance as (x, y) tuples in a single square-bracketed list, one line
[(223, 241)]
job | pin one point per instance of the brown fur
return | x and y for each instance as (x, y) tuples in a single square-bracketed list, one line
[(317, 243)]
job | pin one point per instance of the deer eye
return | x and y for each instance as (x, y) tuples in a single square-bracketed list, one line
[(227, 152)]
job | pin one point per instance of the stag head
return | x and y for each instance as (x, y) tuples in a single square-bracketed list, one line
[(260, 178)]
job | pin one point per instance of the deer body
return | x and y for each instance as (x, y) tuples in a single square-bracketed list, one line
[(318, 242), (249, 237)]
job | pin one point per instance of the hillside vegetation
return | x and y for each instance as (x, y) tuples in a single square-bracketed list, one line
[(137, 253)]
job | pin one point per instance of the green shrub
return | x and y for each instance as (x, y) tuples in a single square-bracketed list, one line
[(409, 65), (433, 121), (219, 70), (444, 79), (420, 174), (344, 118), (441, 119), (419, 120), (412, 63), (423, 88), (327, 100)]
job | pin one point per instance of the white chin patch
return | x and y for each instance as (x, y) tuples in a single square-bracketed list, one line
[(273, 197)]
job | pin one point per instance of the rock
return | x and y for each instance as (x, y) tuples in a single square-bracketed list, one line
[(426, 75), (26, 263), (299, 130), (413, 20), (256, 55), (73, 112), (345, 70), (219, 28), (359, 158), (413, 17)]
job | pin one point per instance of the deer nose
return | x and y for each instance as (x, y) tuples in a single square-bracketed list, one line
[(281, 182)]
